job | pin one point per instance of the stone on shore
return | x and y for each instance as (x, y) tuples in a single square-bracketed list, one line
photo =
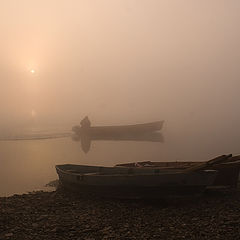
[(62, 216)]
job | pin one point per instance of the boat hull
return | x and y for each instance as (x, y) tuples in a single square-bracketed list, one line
[(134, 181), (228, 172), (128, 192), (111, 132)]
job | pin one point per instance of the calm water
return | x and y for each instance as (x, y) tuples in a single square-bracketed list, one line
[(30, 164)]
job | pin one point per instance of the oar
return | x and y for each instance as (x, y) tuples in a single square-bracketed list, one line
[(234, 158), (217, 160)]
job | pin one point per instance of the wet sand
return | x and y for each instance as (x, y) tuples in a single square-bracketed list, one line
[(61, 215)]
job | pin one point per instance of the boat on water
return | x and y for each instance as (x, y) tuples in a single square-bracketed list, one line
[(111, 132), (228, 168), (129, 181), (85, 133)]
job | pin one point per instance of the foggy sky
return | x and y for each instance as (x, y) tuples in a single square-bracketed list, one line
[(122, 61)]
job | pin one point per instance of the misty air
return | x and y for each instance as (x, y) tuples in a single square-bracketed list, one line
[(119, 119)]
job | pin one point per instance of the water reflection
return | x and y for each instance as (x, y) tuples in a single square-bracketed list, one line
[(86, 139)]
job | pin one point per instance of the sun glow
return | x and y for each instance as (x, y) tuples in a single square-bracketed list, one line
[(32, 71)]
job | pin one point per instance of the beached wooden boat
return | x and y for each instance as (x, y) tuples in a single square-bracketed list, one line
[(127, 181), (228, 169)]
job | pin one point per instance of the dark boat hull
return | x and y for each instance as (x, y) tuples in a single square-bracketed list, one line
[(118, 131), (228, 172), (127, 182), (134, 192)]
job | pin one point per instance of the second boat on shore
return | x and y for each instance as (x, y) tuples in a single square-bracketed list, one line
[(128, 181)]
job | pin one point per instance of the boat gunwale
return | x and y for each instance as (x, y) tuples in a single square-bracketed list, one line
[(188, 164), (150, 124), (205, 171)]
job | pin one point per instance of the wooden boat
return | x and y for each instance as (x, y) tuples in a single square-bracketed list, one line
[(138, 132), (228, 169), (125, 181), (111, 132)]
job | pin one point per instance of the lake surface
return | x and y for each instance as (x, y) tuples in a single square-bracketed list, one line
[(28, 165)]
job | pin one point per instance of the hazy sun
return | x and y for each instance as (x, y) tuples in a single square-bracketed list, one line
[(32, 71)]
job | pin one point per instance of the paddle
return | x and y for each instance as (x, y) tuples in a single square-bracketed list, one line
[(217, 160)]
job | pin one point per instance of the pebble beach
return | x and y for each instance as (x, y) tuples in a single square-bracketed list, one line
[(61, 215)]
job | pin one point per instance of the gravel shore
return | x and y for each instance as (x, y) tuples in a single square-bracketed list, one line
[(63, 216)]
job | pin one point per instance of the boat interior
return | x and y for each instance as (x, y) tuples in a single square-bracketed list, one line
[(84, 169)]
